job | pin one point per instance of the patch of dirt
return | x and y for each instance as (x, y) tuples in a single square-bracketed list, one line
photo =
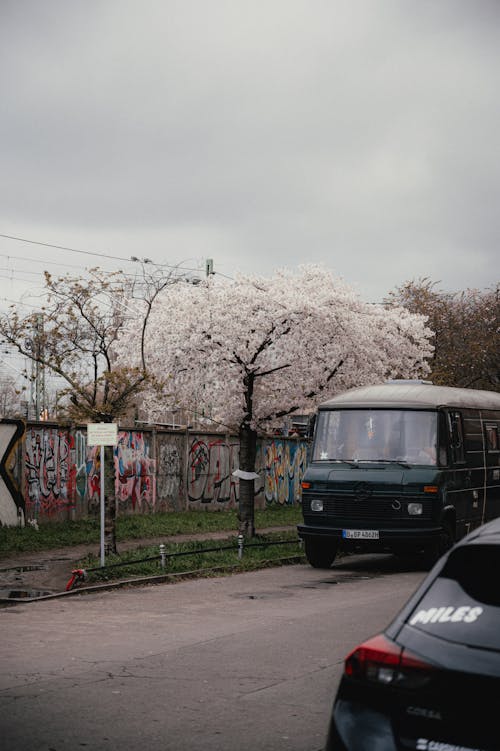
[(50, 570)]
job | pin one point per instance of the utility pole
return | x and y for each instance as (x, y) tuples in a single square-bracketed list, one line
[(37, 369)]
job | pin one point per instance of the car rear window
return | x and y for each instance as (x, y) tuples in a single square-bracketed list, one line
[(463, 603)]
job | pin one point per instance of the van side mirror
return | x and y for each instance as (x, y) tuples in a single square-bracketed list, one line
[(311, 426)]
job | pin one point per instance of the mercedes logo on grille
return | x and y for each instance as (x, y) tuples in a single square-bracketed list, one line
[(362, 491), (396, 505)]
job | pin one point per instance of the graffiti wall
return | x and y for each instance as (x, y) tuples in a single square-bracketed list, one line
[(135, 472), (211, 462), (210, 465), (49, 473), (282, 464), (170, 472), (135, 469), (81, 468)]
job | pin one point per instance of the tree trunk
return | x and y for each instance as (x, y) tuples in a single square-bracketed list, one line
[(248, 451), (109, 501)]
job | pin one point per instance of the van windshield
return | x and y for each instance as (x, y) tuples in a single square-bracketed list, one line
[(354, 435)]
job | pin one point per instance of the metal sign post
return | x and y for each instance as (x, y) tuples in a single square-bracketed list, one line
[(102, 434), (102, 507)]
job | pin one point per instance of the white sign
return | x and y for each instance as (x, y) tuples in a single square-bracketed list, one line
[(102, 434)]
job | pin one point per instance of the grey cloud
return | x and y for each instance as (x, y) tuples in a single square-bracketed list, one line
[(360, 134)]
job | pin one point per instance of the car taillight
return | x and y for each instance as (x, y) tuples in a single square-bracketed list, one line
[(380, 660)]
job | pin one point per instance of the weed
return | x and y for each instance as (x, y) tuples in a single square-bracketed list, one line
[(207, 557), (51, 535)]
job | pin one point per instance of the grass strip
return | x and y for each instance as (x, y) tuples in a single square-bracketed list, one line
[(203, 557), (52, 535)]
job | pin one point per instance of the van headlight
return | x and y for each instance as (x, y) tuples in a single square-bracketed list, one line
[(415, 509), (316, 504)]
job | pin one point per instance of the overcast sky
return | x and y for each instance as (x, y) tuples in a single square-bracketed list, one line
[(360, 134)]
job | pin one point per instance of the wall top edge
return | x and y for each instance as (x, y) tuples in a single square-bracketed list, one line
[(32, 424)]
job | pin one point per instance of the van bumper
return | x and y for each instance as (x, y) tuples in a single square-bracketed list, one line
[(401, 538)]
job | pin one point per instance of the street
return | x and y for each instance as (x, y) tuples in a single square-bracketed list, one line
[(249, 661)]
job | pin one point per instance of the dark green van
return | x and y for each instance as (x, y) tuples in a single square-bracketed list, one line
[(403, 467)]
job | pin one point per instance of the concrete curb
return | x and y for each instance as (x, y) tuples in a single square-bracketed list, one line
[(148, 580)]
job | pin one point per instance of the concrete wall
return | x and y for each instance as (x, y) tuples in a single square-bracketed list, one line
[(47, 472)]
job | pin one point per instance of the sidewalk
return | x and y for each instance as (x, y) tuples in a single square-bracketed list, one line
[(49, 571)]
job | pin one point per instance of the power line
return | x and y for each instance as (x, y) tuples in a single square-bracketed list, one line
[(62, 247), (18, 302), (132, 259), (10, 273), (38, 260)]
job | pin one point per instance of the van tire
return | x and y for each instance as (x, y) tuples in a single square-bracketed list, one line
[(320, 553), (445, 541), (446, 538)]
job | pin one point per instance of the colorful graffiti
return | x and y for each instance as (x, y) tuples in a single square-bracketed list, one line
[(81, 463), (280, 463), (169, 473), (93, 478), (155, 471), (283, 464), (209, 472), (136, 471), (50, 471)]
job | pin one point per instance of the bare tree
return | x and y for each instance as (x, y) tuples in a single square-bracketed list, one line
[(11, 396), (466, 328), (75, 335)]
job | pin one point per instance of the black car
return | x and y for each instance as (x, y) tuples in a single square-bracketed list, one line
[(431, 680)]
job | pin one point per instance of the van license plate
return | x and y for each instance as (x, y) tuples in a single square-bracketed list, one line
[(361, 534)]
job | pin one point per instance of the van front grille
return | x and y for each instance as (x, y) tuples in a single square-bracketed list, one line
[(375, 508)]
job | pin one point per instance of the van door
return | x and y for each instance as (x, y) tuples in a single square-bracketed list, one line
[(492, 462), (466, 447)]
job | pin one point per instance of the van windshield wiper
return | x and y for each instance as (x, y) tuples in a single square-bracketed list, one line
[(401, 462), (351, 462)]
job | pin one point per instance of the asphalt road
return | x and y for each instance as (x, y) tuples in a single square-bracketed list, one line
[(249, 661)]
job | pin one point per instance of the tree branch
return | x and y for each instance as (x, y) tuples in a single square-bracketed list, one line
[(263, 373)]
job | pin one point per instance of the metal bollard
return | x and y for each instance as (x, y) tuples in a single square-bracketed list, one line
[(162, 555), (240, 547)]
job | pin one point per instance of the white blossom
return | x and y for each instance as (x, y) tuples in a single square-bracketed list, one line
[(296, 339)]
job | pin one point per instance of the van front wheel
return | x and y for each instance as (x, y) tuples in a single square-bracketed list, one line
[(445, 541), (320, 553)]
